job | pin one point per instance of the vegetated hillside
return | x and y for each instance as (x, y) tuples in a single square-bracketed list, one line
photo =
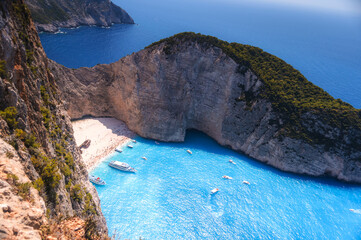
[(291, 94), (43, 169), (49, 15), (239, 95)]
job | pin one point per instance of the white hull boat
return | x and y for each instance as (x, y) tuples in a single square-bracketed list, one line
[(96, 180), (122, 166), (214, 191)]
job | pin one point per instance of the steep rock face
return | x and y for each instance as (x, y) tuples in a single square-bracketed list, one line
[(34, 122), (163, 90), (20, 219), (50, 15)]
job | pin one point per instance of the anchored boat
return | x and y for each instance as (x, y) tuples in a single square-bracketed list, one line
[(96, 180), (215, 190), (122, 166), (227, 177)]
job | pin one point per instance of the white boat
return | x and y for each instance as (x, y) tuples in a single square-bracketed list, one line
[(130, 146), (214, 191), (231, 161), (118, 150), (96, 180), (121, 166), (134, 141), (189, 151), (144, 158), (246, 182), (156, 142), (227, 177)]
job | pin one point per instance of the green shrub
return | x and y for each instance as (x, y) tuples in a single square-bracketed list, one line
[(48, 170), (68, 185), (89, 207), (24, 190), (19, 133), (9, 115), (29, 57), (3, 72), (50, 173), (77, 193), (39, 184), (12, 178), (44, 95), (28, 139), (69, 160), (46, 116), (65, 170), (59, 149)]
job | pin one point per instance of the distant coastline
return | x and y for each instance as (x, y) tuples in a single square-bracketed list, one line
[(53, 15)]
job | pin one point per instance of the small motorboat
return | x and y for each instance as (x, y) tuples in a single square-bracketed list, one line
[(352, 210), (214, 191), (189, 151), (96, 180), (227, 177), (134, 141), (246, 182), (144, 158), (118, 150), (130, 146), (156, 142), (231, 161), (122, 166)]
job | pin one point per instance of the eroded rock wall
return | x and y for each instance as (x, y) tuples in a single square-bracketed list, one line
[(160, 93), (43, 152)]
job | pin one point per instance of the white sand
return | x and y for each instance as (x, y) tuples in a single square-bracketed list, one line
[(105, 134)]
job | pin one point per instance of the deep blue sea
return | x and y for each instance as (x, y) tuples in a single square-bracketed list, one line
[(325, 45), (168, 198)]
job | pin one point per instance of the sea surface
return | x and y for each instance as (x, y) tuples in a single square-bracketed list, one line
[(324, 43), (169, 196)]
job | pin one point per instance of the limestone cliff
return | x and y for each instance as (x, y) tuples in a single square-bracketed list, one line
[(50, 15), (42, 177), (196, 82)]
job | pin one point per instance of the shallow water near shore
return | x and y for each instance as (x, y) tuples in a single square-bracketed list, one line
[(168, 197)]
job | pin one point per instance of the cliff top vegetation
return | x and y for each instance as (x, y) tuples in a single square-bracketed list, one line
[(290, 93)]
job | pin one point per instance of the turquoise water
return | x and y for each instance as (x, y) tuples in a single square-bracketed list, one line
[(168, 197), (325, 45)]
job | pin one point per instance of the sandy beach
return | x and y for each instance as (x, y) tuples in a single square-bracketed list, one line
[(105, 134)]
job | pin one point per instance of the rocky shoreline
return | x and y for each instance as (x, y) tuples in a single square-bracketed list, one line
[(52, 15)]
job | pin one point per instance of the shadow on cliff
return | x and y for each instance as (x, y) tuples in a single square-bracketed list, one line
[(194, 137)]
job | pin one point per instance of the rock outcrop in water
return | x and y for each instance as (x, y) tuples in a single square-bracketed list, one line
[(50, 15), (227, 91), (43, 179)]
